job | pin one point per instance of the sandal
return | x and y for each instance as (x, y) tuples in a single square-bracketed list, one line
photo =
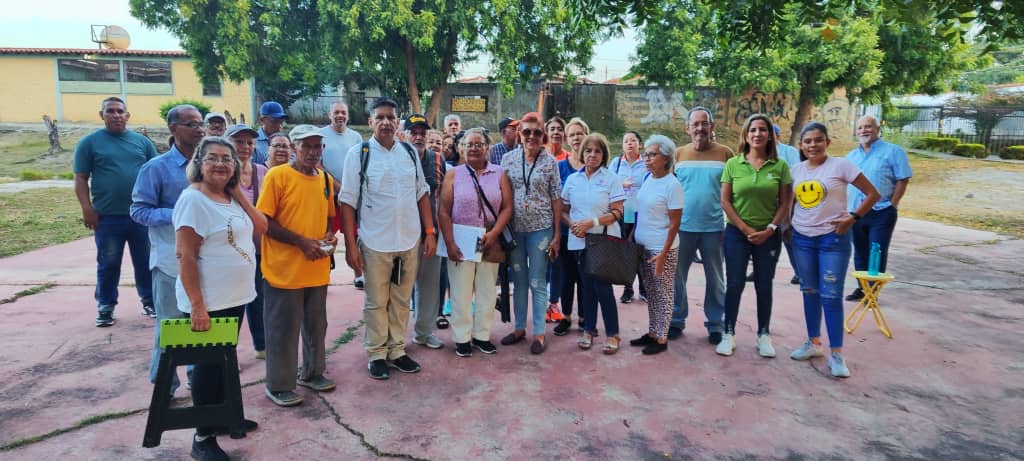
[(442, 322), (586, 341), (611, 346)]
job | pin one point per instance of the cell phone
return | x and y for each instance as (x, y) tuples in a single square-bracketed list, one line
[(396, 271)]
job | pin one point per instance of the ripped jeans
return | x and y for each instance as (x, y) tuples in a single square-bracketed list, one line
[(821, 264), (529, 264)]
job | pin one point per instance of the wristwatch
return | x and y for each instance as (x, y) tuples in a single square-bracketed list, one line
[(856, 217), (773, 227)]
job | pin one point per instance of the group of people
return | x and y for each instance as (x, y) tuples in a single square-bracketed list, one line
[(245, 224)]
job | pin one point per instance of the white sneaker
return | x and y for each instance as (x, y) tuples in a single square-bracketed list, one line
[(727, 346), (806, 352), (838, 366), (764, 346)]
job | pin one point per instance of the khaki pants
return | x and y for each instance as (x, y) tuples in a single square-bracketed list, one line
[(386, 310), (465, 278)]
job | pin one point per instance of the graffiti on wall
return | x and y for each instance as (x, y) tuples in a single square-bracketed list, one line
[(776, 105), (675, 106)]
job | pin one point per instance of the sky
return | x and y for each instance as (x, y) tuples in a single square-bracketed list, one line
[(66, 24)]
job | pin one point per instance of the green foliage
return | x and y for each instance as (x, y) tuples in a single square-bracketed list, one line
[(970, 150), (166, 107), (1006, 66), (935, 143), (66, 175), (34, 175), (1012, 153)]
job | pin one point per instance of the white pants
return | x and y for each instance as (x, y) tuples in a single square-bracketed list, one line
[(464, 279)]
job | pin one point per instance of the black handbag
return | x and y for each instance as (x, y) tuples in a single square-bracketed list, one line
[(612, 259)]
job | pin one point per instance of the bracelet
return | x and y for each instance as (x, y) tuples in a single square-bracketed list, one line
[(429, 231), (596, 222)]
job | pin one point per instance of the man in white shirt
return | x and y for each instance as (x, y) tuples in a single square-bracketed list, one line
[(338, 140), (380, 176)]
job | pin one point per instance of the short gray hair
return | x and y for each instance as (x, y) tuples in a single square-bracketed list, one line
[(174, 115), (452, 117), (689, 115), (194, 171), (665, 145)]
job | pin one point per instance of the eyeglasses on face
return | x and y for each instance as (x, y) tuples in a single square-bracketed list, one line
[(651, 155), (220, 160), (192, 125), (280, 146), (700, 124), (476, 145)]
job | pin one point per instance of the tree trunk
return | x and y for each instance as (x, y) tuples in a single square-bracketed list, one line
[(804, 110), (54, 135), (410, 74), (437, 92)]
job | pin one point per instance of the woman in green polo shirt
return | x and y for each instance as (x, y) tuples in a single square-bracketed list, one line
[(756, 198)]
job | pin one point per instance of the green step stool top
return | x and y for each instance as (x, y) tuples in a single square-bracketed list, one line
[(178, 333)]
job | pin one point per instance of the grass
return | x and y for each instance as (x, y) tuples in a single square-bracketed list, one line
[(29, 152), (28, 292), (39, 218)]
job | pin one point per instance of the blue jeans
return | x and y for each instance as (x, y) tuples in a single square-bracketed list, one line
[(529, 263), (710, 246), (876, 226), (596, 291), (822, 261), (111, 234), (253, 312), (738, 250)]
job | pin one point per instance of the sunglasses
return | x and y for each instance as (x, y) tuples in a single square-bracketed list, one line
[(535, 133)]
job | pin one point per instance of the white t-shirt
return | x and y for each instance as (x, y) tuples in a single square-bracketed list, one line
[(820, 195), (227, 262), (656, 197), (336, 147), (590, 198)]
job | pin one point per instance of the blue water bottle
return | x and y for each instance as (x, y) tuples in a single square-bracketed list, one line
[(875, 258)]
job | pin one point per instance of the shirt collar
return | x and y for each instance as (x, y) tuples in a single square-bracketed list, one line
[(176, 155)]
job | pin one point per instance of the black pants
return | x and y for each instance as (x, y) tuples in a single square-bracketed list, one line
[(208, 380), (626, 230)]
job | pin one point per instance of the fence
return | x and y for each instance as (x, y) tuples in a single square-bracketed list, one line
[(995, 127)]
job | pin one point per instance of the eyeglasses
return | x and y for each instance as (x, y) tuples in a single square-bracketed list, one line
[(476, 145), (280, 146), (535, 133), (700, 124), (220, 160), (192, 125), (651, 155)]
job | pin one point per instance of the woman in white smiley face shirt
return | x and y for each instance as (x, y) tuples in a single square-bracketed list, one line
[(821, 240)]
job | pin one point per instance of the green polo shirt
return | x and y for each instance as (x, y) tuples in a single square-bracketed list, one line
[(112, 161), (755, 194)]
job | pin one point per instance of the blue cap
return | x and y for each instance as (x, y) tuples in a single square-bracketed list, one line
[(272, 109), (778, 130)]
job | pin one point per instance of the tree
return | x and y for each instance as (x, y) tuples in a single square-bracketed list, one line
[(407, 48), (986, 111)]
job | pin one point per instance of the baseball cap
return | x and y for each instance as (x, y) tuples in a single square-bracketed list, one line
[(240, 128), (301, 132), (416, 120), (272, 109), (213, 115), (506, 122)]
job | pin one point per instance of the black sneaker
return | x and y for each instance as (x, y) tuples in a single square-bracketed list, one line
[(715, 337), (484, 346), (148, 310), (208, 450), (750, 277), (642, 341), (675, 332), (855, 295), (795, 280), (627, 297), (105, 319), (405, 364), (378, 369), (248, 425), (563, 327), (655, 348), (463, 350), (359, 283)]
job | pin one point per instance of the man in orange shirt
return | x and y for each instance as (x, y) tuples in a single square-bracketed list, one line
[(298, 200)]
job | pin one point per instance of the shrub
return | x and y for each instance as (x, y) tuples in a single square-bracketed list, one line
[(1012, 153), (34, 175), (936, 143), (970, 150), (66, 175), (166, 107)]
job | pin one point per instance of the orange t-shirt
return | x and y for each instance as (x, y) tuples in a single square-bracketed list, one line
[(560, 154), (302, 204)]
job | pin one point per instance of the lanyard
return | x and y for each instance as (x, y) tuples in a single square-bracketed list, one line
[(527, 176)]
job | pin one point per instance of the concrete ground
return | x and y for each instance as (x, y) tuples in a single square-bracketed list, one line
[(948, 386)]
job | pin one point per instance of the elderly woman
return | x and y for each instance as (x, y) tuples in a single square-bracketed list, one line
[(631, 170), (462, 202), (821, 239), (555, 129), (249, 179), (592, 204), (537, 212), (280, 150), (565, 281), (214, 227), (756, 199), (659, 208)]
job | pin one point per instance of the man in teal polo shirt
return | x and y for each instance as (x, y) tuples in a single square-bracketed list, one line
[(111, 158)]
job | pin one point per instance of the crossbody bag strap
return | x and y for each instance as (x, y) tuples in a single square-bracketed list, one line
[(255, 185), (480, 192), (364, 158)]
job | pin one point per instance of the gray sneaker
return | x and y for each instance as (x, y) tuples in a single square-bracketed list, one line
[(284, 398), (430, 341), (838, 366), (806, 352), (317, 383)]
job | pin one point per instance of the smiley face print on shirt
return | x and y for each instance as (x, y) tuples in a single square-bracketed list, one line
[(810, 194)]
